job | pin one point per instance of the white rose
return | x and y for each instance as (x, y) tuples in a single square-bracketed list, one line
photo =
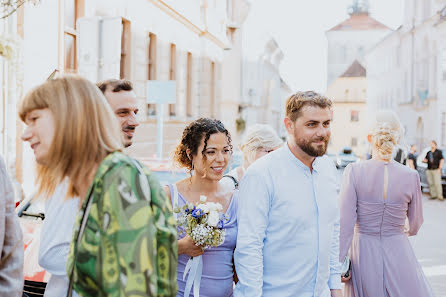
[(203, 207), (213, 219), (219, 207), (212, 206), (203, 198)]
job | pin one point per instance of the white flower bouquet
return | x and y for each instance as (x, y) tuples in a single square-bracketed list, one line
[(204, 223)]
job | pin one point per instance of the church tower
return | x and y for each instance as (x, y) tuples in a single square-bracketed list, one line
[(350, 40)]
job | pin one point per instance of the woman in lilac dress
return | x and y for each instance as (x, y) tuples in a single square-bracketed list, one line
[(376, 196), (205, 150)]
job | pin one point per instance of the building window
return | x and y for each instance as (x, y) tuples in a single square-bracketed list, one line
[(354, 141), (212, 90), (189, 85), (125, 50), (151, 75), (73, 9), (354, 116), (346, 92), (173, 73)]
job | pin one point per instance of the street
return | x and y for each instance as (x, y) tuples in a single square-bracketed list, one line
[(430, 244)]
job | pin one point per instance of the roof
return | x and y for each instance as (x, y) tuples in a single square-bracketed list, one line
[(359, 21), (355, 70)]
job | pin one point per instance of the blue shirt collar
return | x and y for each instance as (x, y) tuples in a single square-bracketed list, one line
[(295, 160)]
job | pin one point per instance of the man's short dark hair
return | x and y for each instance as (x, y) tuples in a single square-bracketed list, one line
[(115, 85)]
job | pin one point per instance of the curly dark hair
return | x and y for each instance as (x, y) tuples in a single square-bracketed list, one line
[(192, 136)]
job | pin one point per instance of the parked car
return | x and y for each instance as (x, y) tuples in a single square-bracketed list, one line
[(422, 167), (345, 157), (31, 216)]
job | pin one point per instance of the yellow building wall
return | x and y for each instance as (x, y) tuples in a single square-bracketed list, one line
[(349, 96)]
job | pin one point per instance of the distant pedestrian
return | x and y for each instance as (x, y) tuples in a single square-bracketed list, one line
[(11, 242), (376, 197), (435, 160), (400, 155), (259, 140), (412, 158), (124, 239)]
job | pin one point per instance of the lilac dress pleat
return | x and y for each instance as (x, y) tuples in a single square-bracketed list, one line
[(217, 277), (374, 206)]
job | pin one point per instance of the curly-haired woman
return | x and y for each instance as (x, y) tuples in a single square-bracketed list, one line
[(376, 196), (205, 150)]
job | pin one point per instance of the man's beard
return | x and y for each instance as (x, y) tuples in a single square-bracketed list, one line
[(127, 138), (312, 151)]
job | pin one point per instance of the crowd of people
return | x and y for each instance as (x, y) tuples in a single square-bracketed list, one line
[(110, 229)]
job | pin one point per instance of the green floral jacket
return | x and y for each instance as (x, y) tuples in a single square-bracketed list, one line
[(129, 246)]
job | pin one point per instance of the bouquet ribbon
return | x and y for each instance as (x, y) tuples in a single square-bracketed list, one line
[(195, 268)]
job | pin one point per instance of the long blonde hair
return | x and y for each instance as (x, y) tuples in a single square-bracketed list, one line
[(86, 130), (386, 133)]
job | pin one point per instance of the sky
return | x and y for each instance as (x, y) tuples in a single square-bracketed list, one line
[(299, 28)]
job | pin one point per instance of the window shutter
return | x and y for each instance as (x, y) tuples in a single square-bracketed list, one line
[(99, 50)]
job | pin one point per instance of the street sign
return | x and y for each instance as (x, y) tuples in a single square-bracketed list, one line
[(161, 92)]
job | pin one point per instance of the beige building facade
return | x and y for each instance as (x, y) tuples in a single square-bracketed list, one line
[(195, 43), (349, 127)]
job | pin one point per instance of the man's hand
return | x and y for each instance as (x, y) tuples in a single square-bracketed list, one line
[(336, 293)]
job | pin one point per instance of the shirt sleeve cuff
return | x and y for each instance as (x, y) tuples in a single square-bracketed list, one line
[(334, 283)]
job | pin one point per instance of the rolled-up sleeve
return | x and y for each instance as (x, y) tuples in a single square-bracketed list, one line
[(11, 245), (252, 217)]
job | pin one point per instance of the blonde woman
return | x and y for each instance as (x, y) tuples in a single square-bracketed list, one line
[(259, 140), (376, 196), (74, 133)]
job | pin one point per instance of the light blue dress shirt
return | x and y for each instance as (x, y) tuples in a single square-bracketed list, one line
[(288, 228)]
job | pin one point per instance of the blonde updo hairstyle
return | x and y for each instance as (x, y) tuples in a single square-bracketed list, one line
[(386, 134), (258, 136)]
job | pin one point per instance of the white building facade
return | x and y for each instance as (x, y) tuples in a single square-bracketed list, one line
[(264, 91), (351, 39), (406, 72), (194, 43)]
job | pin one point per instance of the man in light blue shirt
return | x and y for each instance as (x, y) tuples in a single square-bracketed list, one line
[(288, 217)]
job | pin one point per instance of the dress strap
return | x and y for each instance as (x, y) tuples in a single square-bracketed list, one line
[(174, 198)]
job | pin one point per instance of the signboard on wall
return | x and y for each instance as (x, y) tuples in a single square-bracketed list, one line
[(161, 92)]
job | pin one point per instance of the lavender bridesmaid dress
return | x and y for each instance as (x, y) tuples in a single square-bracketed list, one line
[(375, 199), (217, 277)]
